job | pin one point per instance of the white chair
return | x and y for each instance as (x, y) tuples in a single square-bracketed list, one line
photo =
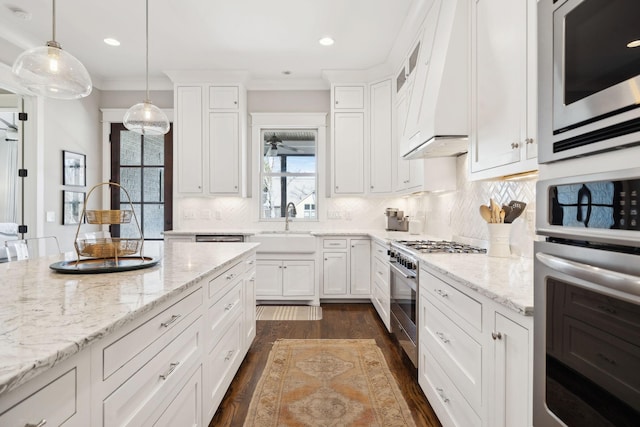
[(34, 247), (17, 250)]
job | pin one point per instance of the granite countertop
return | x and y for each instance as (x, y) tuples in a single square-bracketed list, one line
[(45, 317)]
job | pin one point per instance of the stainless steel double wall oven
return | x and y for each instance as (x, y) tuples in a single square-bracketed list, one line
[(587, 269)]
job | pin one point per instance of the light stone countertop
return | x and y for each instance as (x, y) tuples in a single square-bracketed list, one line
[(45, 317)]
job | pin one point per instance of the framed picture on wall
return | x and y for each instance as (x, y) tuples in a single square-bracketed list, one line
[(72, 206), (74, 169)]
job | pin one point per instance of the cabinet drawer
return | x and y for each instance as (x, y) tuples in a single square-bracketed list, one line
[(381, 252), (460, 355), (118, 354), (438, 386), (607, 360), (381, 271), (348, 97), (219, 286), (137, 399), (221, 313), (222, 363), (335, 243), (185, 409), (56, 403), (462, 305)]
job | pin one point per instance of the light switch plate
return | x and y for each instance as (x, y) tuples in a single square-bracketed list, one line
[(51, 216)]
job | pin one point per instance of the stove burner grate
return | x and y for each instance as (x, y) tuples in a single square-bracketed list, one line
[(440, 246)]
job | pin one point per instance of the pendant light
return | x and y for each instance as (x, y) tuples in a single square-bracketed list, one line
[(145, 118), (49, 71)]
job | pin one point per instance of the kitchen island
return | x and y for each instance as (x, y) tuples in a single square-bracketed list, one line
[(48, 320)]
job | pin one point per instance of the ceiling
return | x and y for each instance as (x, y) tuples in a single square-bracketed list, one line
[(261, 37)]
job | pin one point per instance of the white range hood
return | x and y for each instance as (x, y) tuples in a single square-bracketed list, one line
[(437, 122)]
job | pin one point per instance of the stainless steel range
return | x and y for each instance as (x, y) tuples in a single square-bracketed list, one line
[(405, 289)]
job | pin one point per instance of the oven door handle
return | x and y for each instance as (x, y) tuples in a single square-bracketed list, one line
[(607, 280)]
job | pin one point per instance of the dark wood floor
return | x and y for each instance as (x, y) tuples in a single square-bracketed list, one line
[(338, 321)]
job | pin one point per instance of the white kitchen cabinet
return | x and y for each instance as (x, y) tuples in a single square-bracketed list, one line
[(61, 396), (380, 291), (210, 137), (189, 133), (224, 98), (475, 356), (349, 97), (512, 372), (504, 97), (224, 153), (381, 151), (346, 268), (185, 409), (285, 279), (348, 153), (249, 304), (335, 279)]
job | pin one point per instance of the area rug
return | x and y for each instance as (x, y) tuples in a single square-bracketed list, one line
[(288, 312), (327, 383)]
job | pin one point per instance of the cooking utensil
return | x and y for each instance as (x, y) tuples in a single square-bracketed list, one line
[(516, 209), (502, 215), (495, 211), (485, 213)]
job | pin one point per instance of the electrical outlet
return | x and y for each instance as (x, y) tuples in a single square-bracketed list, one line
[(531, 218), (205, 214), (189, 214), (334, 215)]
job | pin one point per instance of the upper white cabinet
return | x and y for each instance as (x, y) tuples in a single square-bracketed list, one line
[(188, 133), (224, 97), (348, 153), (211, 139), (348, 97), (503, 101), (381, 152)]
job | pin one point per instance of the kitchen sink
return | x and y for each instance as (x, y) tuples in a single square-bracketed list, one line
[(285, 242)]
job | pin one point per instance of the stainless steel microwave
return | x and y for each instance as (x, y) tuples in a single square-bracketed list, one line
[(589, 77)]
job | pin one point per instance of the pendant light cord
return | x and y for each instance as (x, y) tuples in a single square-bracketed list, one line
[(53, 18), (147, 48)]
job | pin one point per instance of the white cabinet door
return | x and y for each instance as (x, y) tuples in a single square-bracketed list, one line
[(503, 95), (186, 408), (512, 368), (360, 267), (249, 305), (189, 136), (348, 97), (348, 153), (268, 278), (224, 153), (403, 168), (380, 171), (298, 278), (334, 273), (223, 97)]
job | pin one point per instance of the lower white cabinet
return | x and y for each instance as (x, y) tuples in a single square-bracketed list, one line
[(169, 367), (475, 361), (60, 396), (285, 279), (380, 290), (346, 267)]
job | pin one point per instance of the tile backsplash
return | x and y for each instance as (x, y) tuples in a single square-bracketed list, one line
[(456, 214), (444, 215)]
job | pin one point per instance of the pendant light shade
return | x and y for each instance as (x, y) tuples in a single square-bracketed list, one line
[(145, 118), (49, 71)]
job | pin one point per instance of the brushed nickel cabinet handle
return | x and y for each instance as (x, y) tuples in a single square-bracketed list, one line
[(170, 321), (40, 424), (172, 367), (229, 355)]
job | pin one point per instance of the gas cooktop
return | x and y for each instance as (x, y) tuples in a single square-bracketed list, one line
[(442, 246)]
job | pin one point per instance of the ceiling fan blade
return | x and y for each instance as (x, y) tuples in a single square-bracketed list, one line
[(288, 147)]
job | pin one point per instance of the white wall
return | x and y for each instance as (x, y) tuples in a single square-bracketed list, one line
[(73, 126)]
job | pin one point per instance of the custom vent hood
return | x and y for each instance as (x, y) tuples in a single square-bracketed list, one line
[(437, 121)]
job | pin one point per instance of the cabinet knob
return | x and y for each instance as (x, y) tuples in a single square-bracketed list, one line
[(515, 145), (528, 141), (336, 102), (235, 102), (337, 187), (372, 187), (496, 335), (40, 424)]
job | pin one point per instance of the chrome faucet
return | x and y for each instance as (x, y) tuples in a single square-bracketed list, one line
[(286, 214)]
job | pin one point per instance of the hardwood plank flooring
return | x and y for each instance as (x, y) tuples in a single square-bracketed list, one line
[(338, 321)]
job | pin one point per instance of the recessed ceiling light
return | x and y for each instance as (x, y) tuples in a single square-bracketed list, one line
[(111, 42), (21, 14), (634, 43), (326, 41)]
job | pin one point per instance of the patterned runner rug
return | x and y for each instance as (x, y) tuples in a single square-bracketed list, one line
[(288, 312), (327, 383)]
